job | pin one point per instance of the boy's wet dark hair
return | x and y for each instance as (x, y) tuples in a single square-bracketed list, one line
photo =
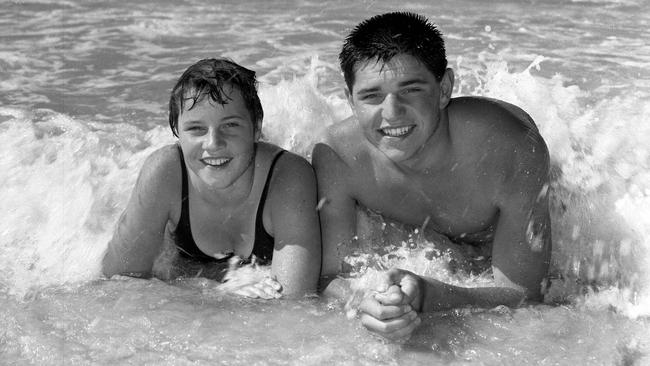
[(209, 77), (385, 36)]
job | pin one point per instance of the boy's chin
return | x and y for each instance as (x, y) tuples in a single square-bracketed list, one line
[(396, 155)]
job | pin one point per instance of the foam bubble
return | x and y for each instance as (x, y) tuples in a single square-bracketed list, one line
[(296, 113), (65, 186)]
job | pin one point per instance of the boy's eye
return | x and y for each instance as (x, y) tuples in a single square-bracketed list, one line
[(193, 128), (412, 90), (370, 97)]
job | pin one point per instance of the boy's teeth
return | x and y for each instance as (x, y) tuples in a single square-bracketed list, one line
[(396, 131)]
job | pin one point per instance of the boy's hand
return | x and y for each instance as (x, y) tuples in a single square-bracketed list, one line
[(392, 313)]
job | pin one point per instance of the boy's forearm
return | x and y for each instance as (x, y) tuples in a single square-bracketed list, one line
[(442, 296), (333, 286)]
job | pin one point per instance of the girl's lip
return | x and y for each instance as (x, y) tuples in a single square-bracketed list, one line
[(216, 162)]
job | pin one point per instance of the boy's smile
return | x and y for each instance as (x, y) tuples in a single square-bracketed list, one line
[(397, 105)]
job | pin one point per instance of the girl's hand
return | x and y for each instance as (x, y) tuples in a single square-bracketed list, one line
[(267, 289)]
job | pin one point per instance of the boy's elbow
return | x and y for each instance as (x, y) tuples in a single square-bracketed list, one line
[(110, 264)]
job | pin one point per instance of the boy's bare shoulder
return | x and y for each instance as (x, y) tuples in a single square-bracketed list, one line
[(498, 136), (344, 139), (490, 115), (494, 124)]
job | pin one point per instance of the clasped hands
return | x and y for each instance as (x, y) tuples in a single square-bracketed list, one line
[(392, 311)]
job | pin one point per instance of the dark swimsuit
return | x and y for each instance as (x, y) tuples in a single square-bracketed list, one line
[(263, 245)]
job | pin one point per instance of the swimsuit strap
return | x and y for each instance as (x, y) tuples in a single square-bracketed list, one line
[(183, 235), (264, 242)]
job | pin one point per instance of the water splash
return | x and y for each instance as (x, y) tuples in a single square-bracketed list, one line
[(70, 179), (65, 184), (600, 190)]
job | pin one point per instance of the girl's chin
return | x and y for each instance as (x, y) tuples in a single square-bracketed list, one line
[(214, 178)]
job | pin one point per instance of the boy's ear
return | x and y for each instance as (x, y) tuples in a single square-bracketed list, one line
[(348, 96), (258, 131), (446, 87)]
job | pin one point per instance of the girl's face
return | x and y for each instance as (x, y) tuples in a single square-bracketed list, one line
[(218, 141)]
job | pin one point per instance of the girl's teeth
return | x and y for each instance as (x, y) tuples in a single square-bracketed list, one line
[(215, 161)]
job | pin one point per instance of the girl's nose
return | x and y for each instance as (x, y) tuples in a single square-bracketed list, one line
[(214, 140)]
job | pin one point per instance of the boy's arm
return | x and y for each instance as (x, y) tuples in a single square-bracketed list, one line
[(522, 243), (520, 261), (520, 253), (336, 209)]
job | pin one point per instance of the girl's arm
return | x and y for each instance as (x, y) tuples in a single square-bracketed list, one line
[(138, 237), (293, 199)]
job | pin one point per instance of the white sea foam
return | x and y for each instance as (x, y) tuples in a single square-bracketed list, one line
[(71, 182), (601, 186), (64, 187), (80, 83), (601, 222)]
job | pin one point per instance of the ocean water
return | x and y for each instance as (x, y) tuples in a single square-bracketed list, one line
[(83, 94)]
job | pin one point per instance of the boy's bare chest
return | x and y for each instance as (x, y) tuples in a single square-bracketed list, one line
[(454, 204)]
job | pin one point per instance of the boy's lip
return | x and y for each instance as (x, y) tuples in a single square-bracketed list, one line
[(396, 131)]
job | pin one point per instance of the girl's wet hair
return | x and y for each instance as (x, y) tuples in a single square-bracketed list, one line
[(385, 36), (216, 78)]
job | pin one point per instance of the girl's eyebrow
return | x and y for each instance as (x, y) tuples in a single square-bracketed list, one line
[(229, 117), (236, 116)]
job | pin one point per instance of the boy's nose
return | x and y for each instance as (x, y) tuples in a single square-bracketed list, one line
[(392, 107)]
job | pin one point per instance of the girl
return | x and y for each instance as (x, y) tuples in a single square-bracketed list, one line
[(219, 192)]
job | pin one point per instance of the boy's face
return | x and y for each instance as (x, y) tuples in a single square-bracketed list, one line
[(397, 104), (218, 141)]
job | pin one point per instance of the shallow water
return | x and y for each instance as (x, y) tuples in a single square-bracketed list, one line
[(83, 102), (140, 322)]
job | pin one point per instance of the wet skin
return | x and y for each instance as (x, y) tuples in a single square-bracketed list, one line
[(471, 168), (227, 169)]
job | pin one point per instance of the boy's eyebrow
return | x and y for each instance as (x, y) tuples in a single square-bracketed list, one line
[(192, 121), (368, 90), (412, 81), (401, 84)]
